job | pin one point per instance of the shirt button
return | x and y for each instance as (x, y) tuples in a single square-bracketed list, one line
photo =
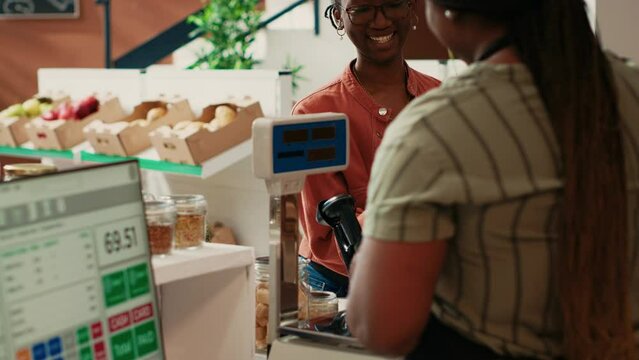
[(382, 111), (379, 134)]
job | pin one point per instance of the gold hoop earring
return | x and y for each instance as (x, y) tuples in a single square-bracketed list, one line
[(450, 14)]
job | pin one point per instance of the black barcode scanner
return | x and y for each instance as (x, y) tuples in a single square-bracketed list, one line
[(338, 212)]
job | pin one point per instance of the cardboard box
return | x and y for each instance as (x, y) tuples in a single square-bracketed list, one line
[(124, 140), (64, 134), (199, 145), (12, 131)]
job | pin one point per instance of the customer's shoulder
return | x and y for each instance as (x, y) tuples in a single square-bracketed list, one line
[(320, 99), (423, 79), (438, 101), (433, 109)]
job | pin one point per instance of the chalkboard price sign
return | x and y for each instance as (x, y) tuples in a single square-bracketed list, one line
[(39, 9)]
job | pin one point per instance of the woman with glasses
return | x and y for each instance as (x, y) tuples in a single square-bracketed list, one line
[(372, 90), (503, 211)]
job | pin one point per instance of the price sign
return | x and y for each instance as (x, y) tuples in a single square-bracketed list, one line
[(120, 240), (39, 9)]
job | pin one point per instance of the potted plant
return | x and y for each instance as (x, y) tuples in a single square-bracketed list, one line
[(229, 27)]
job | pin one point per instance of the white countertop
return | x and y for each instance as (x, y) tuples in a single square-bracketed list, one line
[(209, 258)]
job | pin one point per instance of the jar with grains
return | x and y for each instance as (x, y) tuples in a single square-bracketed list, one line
[(322, 303), (160, 222), (190, 224), (18, 171), (262, 298)]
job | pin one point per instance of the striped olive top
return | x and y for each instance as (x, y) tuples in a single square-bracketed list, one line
[(476, 161)]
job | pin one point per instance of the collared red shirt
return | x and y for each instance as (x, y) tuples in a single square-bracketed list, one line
[(368, 121)]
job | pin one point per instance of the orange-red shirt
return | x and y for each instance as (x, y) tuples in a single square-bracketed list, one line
[(368, 121)]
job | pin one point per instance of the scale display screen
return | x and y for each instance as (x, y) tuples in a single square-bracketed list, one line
[(309, 145), (75, 273)]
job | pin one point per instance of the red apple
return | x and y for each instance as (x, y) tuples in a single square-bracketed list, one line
[(85, 107), (91, 102), (66, 112), (51, 115)]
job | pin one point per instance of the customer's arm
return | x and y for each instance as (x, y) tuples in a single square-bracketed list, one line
[(392, 286), (408, 224)]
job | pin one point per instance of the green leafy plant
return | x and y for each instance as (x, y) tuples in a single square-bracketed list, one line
[(295, 69), (229, 26)]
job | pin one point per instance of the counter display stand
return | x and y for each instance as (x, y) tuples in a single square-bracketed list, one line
[(207, 299), (207, 295)]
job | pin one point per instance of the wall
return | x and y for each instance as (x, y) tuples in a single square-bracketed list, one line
[(28, 45), (618, 26)]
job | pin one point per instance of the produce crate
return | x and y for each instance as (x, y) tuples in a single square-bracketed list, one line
[(126, 137)]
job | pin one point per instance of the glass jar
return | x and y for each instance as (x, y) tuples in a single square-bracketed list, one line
[(190, 224), (18, 171), (322, 303), (147, 196), (261, 301), (262, 297), (160, 222)]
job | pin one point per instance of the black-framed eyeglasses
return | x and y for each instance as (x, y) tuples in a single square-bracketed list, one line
[(363, 14)]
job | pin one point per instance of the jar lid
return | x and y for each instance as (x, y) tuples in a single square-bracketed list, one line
[(34, 169), (147, 196), (322, 296), (159, 206), (185, 201)]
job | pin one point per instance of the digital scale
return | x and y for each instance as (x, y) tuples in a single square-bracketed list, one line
[(76, 281), (285, 151)]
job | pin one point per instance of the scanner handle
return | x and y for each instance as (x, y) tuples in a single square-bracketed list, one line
[(338, 212)]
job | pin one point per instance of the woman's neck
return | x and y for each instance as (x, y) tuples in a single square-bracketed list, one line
[(372, 75), (505, 55)]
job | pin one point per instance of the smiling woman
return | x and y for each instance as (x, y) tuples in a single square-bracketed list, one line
[(372, 90)]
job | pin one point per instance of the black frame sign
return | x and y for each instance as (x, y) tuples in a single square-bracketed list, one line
[(39, 9)]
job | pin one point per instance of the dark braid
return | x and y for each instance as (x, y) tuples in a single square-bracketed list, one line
[(328, 13)]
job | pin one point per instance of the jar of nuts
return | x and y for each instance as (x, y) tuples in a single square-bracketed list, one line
[(160, 222), (261, 301), (262, 297), (190, 224), (322, 304)]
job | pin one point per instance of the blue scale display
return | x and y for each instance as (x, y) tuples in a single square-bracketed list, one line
[(309, 145)]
